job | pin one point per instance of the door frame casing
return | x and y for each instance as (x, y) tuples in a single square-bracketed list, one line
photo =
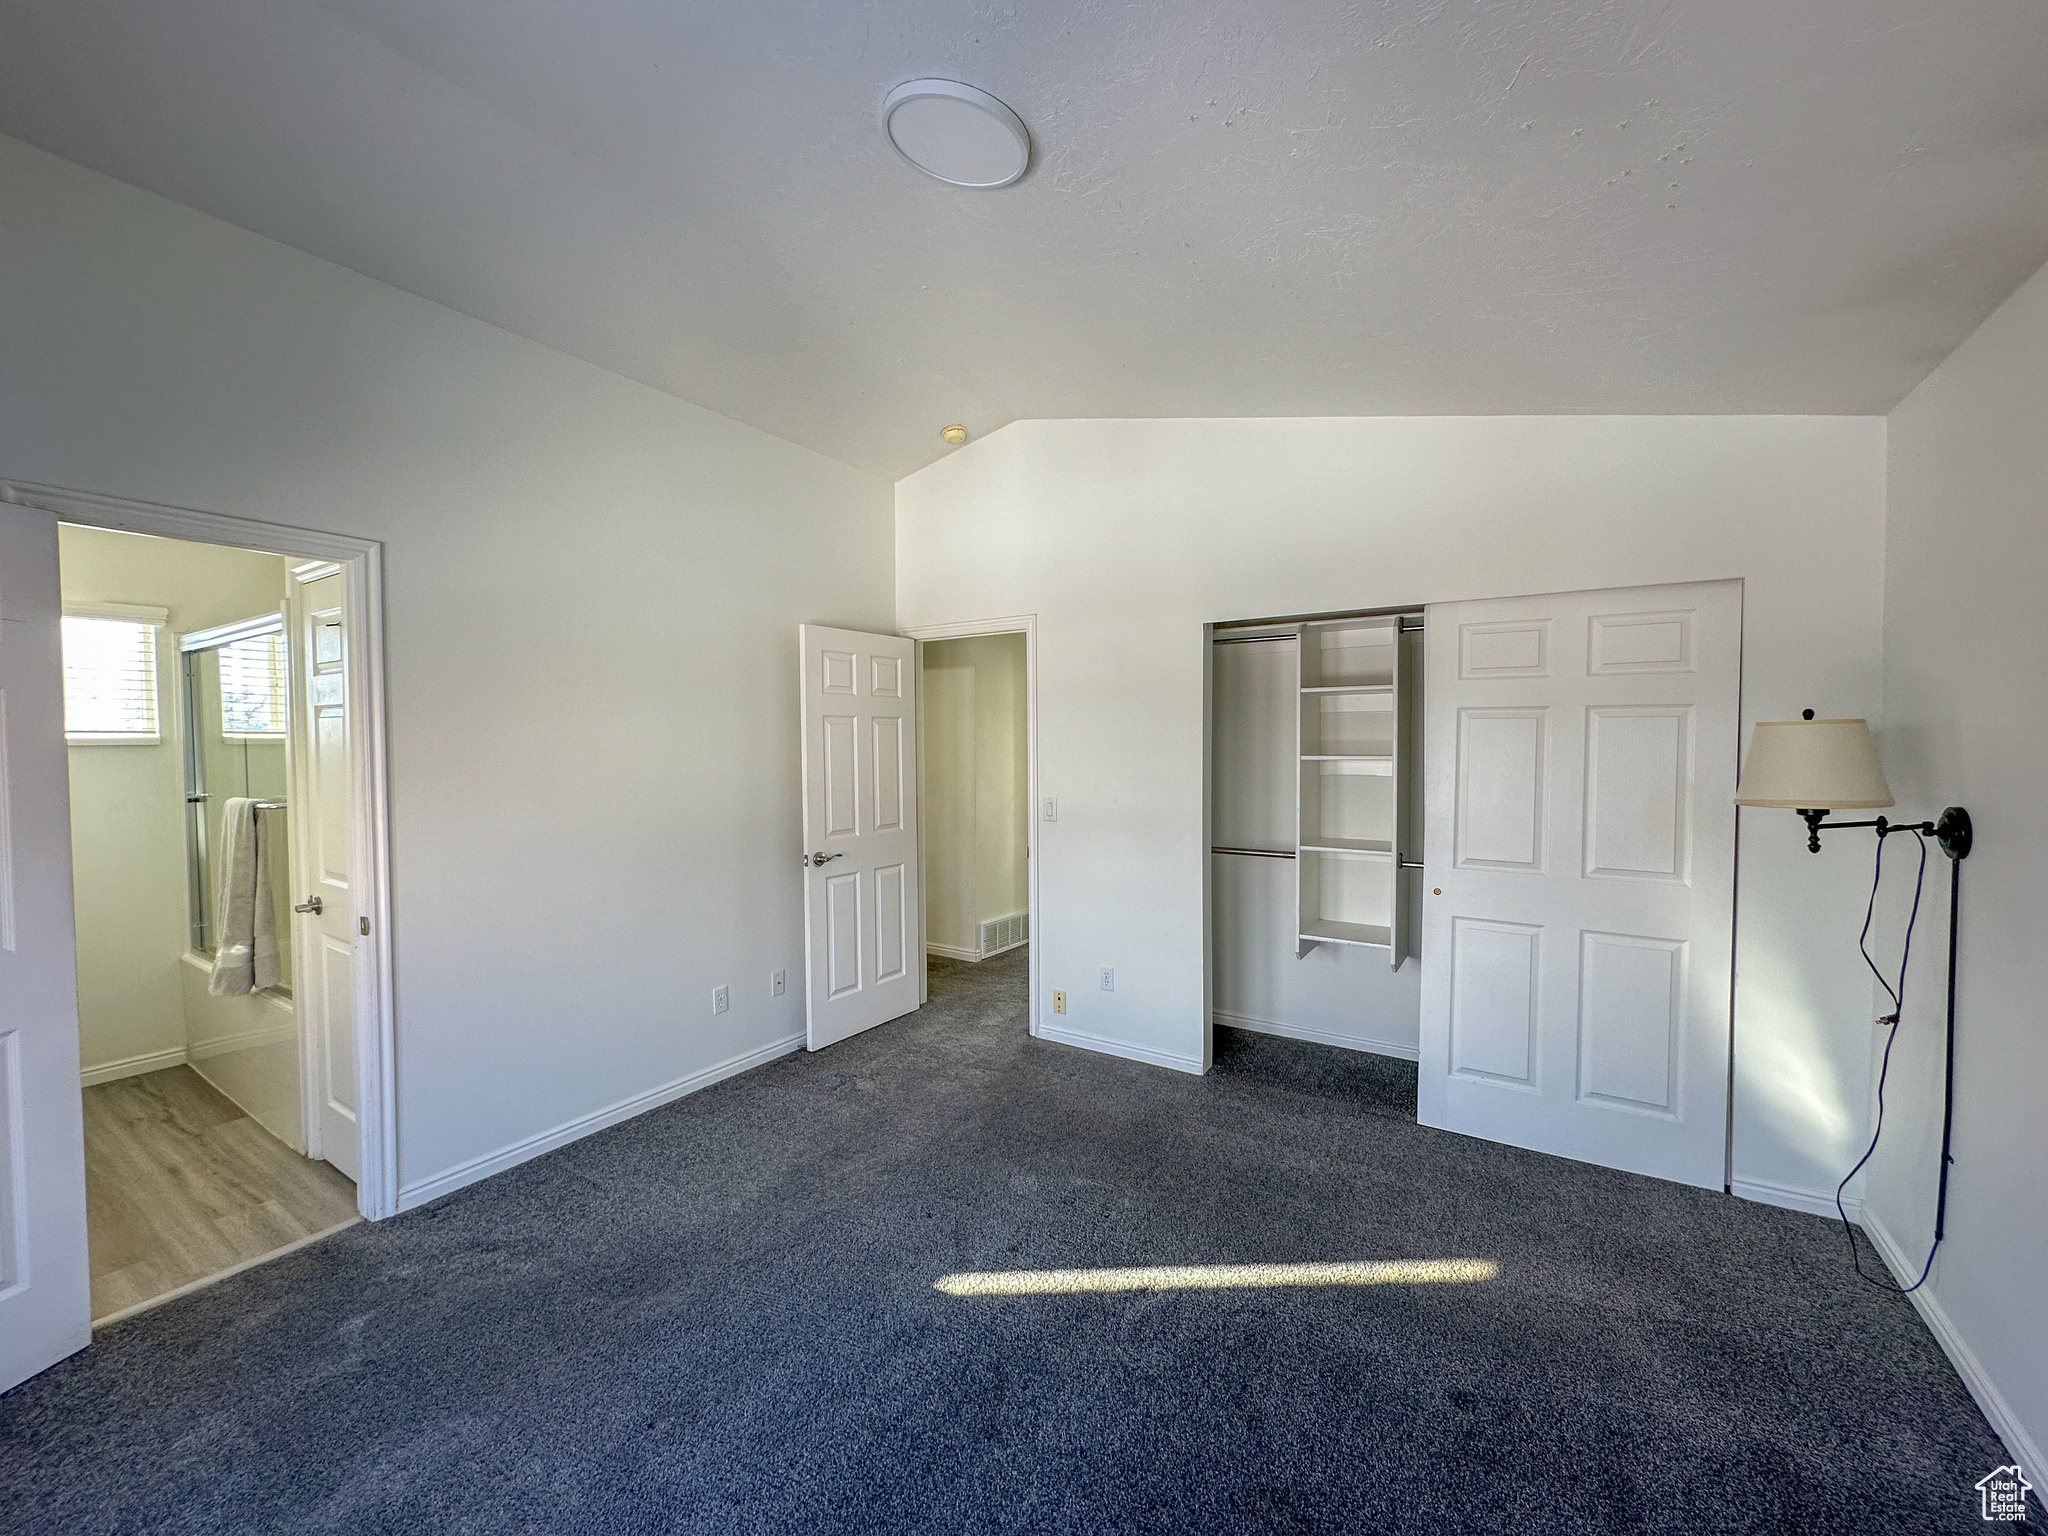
[(362, 565), (1025, 624)]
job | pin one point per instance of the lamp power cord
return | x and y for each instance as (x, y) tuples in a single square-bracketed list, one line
[(1896, 991)]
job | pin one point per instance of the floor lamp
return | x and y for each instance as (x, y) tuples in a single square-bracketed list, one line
[(1817, 767)]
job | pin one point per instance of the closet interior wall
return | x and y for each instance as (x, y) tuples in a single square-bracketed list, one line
[(1314, 789)]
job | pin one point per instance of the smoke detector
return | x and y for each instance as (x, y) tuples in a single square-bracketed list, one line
[(961, 135)]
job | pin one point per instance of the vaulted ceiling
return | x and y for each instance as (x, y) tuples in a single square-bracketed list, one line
[(1237, 207)]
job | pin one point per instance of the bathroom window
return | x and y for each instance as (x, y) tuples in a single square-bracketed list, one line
[(252, 688), (110, 693)]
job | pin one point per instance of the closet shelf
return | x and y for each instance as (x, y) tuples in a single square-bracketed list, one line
[(1383, 758), (1382, 688), (1329, 931), (1373, 847)]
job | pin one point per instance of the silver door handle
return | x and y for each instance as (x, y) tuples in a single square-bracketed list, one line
[(811, 859), (312, 904)]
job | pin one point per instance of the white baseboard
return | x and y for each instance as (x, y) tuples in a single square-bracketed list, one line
[(2004, 1422), (1813, 1202), (244, 1040), (951, 951), (1318, 1036), (131, 1066), (1121, 1048), (445, 1183)]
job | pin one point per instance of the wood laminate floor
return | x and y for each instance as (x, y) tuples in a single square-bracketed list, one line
[(181, 1184)]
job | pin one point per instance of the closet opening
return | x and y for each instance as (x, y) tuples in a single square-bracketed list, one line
[(1315, 830), (976, 761), (214, 795)]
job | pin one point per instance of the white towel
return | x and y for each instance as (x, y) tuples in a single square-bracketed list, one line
[(245, 921)]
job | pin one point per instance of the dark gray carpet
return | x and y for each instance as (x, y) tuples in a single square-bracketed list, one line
[(719, 1317)]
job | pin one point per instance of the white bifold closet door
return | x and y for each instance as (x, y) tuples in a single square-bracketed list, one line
[(1579, 895), (863, 950), (45, 1292)]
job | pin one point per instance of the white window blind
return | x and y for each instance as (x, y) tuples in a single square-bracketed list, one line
[(252, 687), (109, 680)]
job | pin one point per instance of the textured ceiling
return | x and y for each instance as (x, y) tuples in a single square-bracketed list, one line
[(1417, 206)]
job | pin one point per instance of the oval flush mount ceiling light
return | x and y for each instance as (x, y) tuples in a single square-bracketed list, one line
[(959, 134)]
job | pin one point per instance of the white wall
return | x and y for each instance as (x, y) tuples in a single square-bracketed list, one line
[(128, 802), (976, 782), (1123, 537), (592, 598), (1966, 723)]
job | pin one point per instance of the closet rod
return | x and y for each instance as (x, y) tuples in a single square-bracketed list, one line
[(1255, 853), (1248, 639)]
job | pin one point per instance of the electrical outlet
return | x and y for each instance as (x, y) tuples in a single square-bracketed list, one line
[(778, 983), (1052, 809), (1108, 978), (1059, 1001), (721, 999)]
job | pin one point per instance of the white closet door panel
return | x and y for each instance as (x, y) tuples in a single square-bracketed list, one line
[(1579, 852)]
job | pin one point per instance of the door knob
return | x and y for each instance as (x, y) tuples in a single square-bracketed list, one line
[(312, 904), (811, 859)]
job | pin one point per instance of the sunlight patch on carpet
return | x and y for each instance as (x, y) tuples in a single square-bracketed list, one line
[(1216, 1277)]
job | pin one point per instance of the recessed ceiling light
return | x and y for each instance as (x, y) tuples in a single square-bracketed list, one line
[(957, 133)]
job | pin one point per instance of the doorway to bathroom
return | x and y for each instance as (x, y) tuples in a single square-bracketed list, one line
[(207, 731), (977, 770)]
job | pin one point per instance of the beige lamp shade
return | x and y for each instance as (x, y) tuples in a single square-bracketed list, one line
[(1813, 765)]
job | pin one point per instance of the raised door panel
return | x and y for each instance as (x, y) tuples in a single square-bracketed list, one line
[(841, 766), (1639, 773), (842, 935), (1501, 788), (329, 777), (1631, 1014), (892, 922), (836, 672), (890, 791), (1495, 972), (1621, 643), (1514, 649)]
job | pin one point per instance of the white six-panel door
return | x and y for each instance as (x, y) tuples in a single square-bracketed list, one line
[(45, 1285), (862, 949), (323, 800), (1578, 906)]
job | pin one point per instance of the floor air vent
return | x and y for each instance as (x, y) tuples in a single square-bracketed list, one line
[(1004, 933)]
